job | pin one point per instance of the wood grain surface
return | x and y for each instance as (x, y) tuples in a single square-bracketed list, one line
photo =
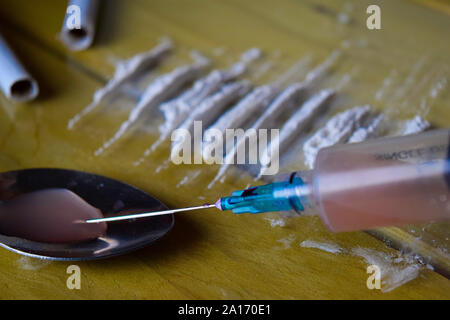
[(217, 255)]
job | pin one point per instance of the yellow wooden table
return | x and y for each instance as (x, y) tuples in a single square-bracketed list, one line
[(211, 255)]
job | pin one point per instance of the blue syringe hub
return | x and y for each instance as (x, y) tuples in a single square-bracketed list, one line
[(278, 196)]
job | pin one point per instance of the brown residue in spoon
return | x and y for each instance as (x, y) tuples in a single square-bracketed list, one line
[(50, 216)]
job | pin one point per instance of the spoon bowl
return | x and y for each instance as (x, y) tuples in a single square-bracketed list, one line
[(112, 197)]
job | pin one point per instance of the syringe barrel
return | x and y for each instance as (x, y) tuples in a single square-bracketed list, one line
[(384, 182)]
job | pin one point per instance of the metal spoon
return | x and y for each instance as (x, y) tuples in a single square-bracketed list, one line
[(110, 196)]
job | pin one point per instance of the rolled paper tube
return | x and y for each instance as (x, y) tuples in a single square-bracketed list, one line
[(15, 82), (78, 30)]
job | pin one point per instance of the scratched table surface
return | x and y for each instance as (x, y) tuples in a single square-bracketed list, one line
[(217, 255)]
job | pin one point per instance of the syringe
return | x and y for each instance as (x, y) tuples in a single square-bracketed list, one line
[(383, 182)]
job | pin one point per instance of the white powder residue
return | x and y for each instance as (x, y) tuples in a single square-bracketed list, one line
[(438, 87), (211, 108), (262, 101), (276, 222), (337, 130), (413, 97), (320, 71), (31, 264), (416, 125), (396, 269), (163, 88), (220, 51), (343, 82), (176, 111), (328, 247), (262, 69), (314, 76), (252, 105), (189, 178), (410, 82), (297, 124), (387, 85), (161, 167), (125, 71), (287, 241), (369, 132), (293, 94), (251, 55), (344, 17), (292, 74), (288, 99)]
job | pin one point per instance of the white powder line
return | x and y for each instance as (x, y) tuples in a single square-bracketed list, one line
[(298, 123), (125, 71), (251, 55), (176, 111), (160, 90), (371, 131), (438, 87), (231, 153), (435, 89), (163, 166), (418, 86), (344, 81), (291, 94), (297, 69), (324, 246), (314, 76), (263, 69), (286, 101), (409, 83), (317, 74), (414, 126), (337, 130), (211, 108), (188, 178), (387, 85), (252, 104)]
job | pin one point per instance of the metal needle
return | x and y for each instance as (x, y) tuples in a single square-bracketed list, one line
[(149, 214)]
